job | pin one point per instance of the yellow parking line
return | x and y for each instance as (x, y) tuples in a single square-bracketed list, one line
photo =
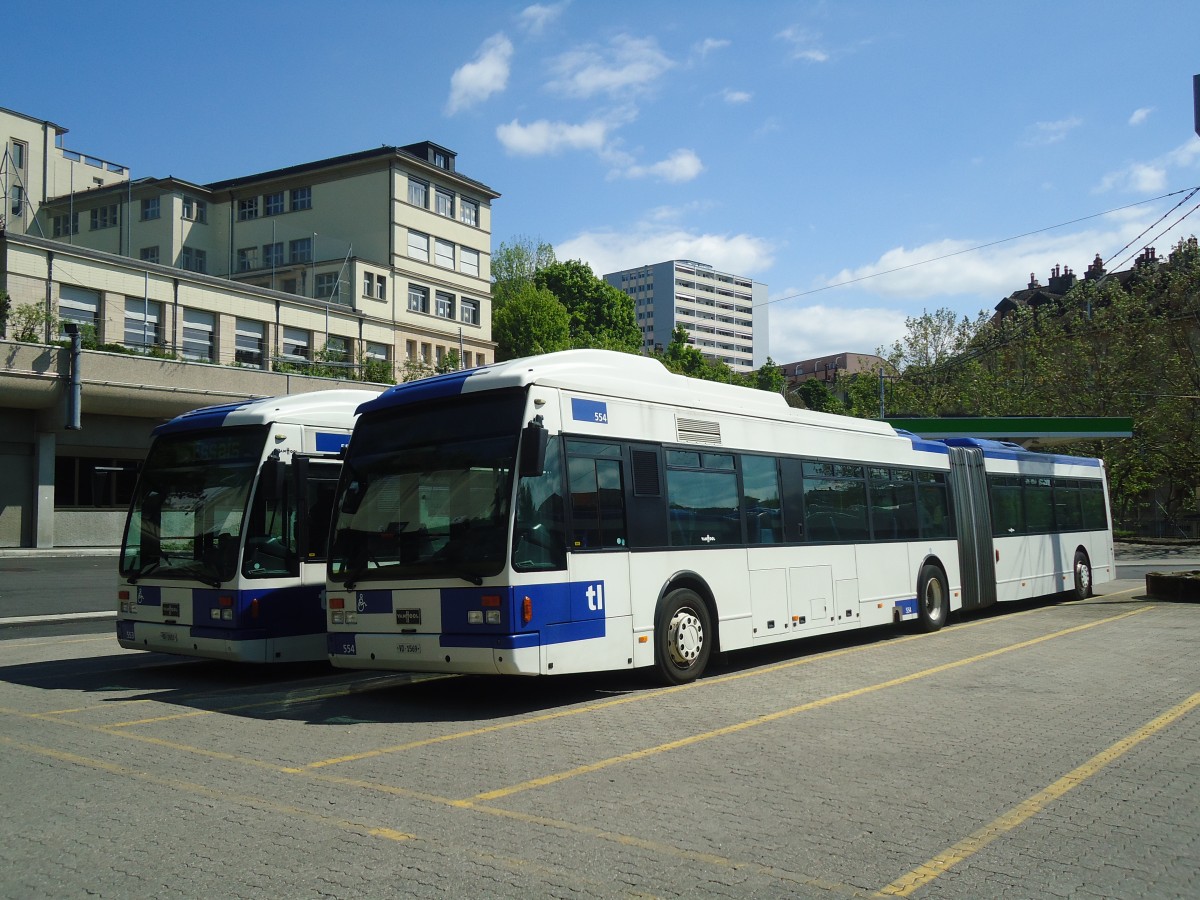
[(972, 844), (783, 713)]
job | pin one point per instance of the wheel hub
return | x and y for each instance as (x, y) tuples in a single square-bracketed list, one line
[(685, 637)]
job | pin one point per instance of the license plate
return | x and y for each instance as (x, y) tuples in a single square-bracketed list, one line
[(408, 617), (408, 648), (169, 636)]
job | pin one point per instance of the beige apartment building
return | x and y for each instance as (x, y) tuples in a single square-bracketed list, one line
[(196, 294)]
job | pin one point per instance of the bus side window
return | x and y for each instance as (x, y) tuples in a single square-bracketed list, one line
[(760, 500), (597, 503)]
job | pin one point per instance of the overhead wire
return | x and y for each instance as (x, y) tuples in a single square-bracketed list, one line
[(1016, 237)]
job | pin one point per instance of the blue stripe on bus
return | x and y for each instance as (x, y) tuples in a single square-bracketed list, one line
[(342, 644), (1006, 450), (281, 611), (438, 387), (207, 417)]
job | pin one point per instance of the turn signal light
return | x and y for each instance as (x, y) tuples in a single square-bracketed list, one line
[(490, 600), (337, 602), (526, 611), (225, 601)]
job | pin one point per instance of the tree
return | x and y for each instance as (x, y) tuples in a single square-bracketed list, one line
[(816, 396), (530, 322), (768, 378), (602, 317), (451, 362), (29, 323), (515, 265), (5, 309)]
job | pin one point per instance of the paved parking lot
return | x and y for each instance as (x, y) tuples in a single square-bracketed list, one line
[(1049, 750)]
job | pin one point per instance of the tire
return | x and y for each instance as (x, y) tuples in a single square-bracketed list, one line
[(683, 637), (933, 599), (1083, 577)]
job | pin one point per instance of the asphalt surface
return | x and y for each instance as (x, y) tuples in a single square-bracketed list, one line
[(1039, 750)]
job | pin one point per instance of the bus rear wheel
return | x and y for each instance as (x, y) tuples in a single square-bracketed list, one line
[(933, 599), (683, 637)]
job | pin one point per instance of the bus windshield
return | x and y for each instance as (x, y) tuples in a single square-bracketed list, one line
[(186, 519), (425, 491)]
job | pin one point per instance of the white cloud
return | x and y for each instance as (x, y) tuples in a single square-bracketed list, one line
[(627, 65), (1043, 133), (1153, 176), (804, 44), (804, 332), (543, 137), (682, 165), (485, 75), (708, 45), (656, 239), (536, 17), (731, 96), (1140, 115)]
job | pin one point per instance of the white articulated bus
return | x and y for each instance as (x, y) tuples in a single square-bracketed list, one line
[(224, 549), (588, 510)]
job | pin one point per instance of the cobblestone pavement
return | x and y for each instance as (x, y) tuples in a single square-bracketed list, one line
[(1047, 750)]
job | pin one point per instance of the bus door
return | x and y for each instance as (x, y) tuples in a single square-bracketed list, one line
[(316, 481), (599, 634), (973, 520)]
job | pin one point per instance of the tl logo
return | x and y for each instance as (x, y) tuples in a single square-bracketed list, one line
[(595, 596)]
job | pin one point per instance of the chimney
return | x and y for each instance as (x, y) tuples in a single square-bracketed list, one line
[(1095, 270)]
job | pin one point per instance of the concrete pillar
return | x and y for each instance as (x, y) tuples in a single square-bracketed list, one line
[(43, 507)]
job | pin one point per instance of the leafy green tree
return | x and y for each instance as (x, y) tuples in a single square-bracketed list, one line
[(29, 324), (815, 395), (530, 322), (415, 369), (451, 362), (768, 378), (515, 265), (602, 317)]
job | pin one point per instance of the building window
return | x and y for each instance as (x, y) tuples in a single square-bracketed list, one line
[(143, 323), (195, 210), (272, 255), (337, 348), (468, 261), (19, 151), (376, 351), (78, 306), (248, 343), (295, 343), (18, 199), (443, 253), (368, 287), (374, 286), (90, 482), (468, 211), (300, 251), (418, 193), (301, 198), (273, 204), (410, 349), (193, 260), (151, 208), (418, 298), (444, 201), (329, 287), (65, 225), (445, 305), (247, 208), (380, 287), (440, 160), (418, 245), (426, 353), (104, 217), (149, 254), (469, 312), (247, 257), (199, 329)]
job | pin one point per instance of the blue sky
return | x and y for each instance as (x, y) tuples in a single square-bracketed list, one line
[(805, 144)]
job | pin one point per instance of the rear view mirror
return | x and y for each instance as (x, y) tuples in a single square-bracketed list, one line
[(534, 440)]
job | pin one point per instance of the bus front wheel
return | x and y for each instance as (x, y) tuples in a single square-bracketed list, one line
[(683, 637), (933, 599), (1083, 577)]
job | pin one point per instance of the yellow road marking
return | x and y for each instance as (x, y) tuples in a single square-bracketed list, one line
[(632, 698), (972, 844), (205, 790), (766, 718)]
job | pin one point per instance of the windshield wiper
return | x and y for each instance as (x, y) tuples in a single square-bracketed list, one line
[(144, 571)]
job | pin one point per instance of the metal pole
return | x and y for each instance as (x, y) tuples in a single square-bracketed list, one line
[(75, 395)]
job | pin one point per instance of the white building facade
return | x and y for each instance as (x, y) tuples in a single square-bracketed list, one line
[(725, 315)]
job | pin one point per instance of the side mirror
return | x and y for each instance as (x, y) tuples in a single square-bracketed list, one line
[(534, 440), (352, 498)]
